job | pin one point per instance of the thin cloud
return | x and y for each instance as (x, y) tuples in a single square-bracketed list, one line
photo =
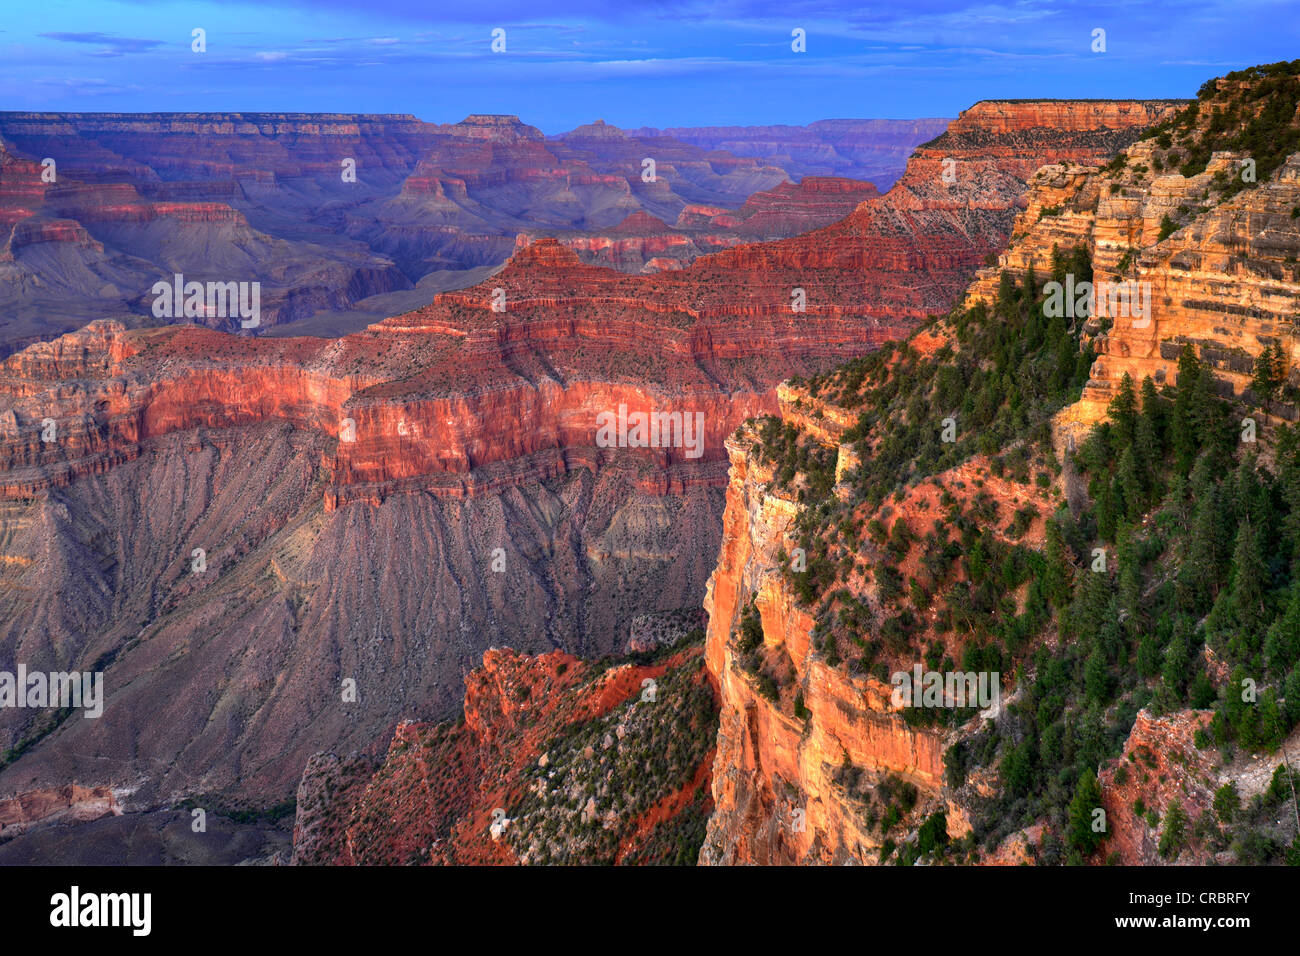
[(110, 44)]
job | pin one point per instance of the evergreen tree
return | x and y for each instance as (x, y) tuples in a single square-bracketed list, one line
[(1172, 837), (1177, 658), (1198, 578), (1183, 428), (1059, 265), (1123, 413), (1291, 692), (1058, 574), (1272, 725), (1096, 675), (1132, 498), (1264, 382), (1150, 658), (1227, 802), (1087, 799), (1247, 592), (1130, 577), (1153, 413)]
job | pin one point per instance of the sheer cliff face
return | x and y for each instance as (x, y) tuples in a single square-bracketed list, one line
[(378, 508), (913, 250), (780, 793), (796, 778)]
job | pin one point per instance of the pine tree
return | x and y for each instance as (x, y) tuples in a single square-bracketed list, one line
[(1130, 487), (1080, 265), (1292, 693), (1198, 578), (1183, 429), (1249, 575), (1130, 576), (1059, 265), (1177, 657), (1171, 838), (1087, 799), (1058, 574), (1149, 656), (1153, 413), (1096, 676), (1148, 446), (1123, 412), (1287, 455), (1264, 382), (1271, 725), (1109, 509)]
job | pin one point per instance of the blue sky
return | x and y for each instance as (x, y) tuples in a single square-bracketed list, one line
[(630, 62)]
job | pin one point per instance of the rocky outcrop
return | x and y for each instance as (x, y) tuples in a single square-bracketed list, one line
[(63, 805), (1216, 265), (807, 749), (792, 787), (476, 791), (1160, 764)]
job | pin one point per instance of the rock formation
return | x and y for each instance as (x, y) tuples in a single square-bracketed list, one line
[(809, 743), (348, 217), (320, 543), (518, 781)]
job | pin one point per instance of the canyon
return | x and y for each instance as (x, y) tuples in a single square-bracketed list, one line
[(249, 523), (345, 219)]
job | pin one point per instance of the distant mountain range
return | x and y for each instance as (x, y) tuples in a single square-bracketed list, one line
[(345, 219)]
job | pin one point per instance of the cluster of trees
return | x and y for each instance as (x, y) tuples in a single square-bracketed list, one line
[(1217, 561), (1189, 543), (1010, 370), (1254, 115), (1187, 550)]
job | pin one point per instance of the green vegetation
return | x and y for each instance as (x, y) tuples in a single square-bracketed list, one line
[(1254, 114), (274, 814), (602, 775), (677, 840), (1087, 799), (1201, 546)]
